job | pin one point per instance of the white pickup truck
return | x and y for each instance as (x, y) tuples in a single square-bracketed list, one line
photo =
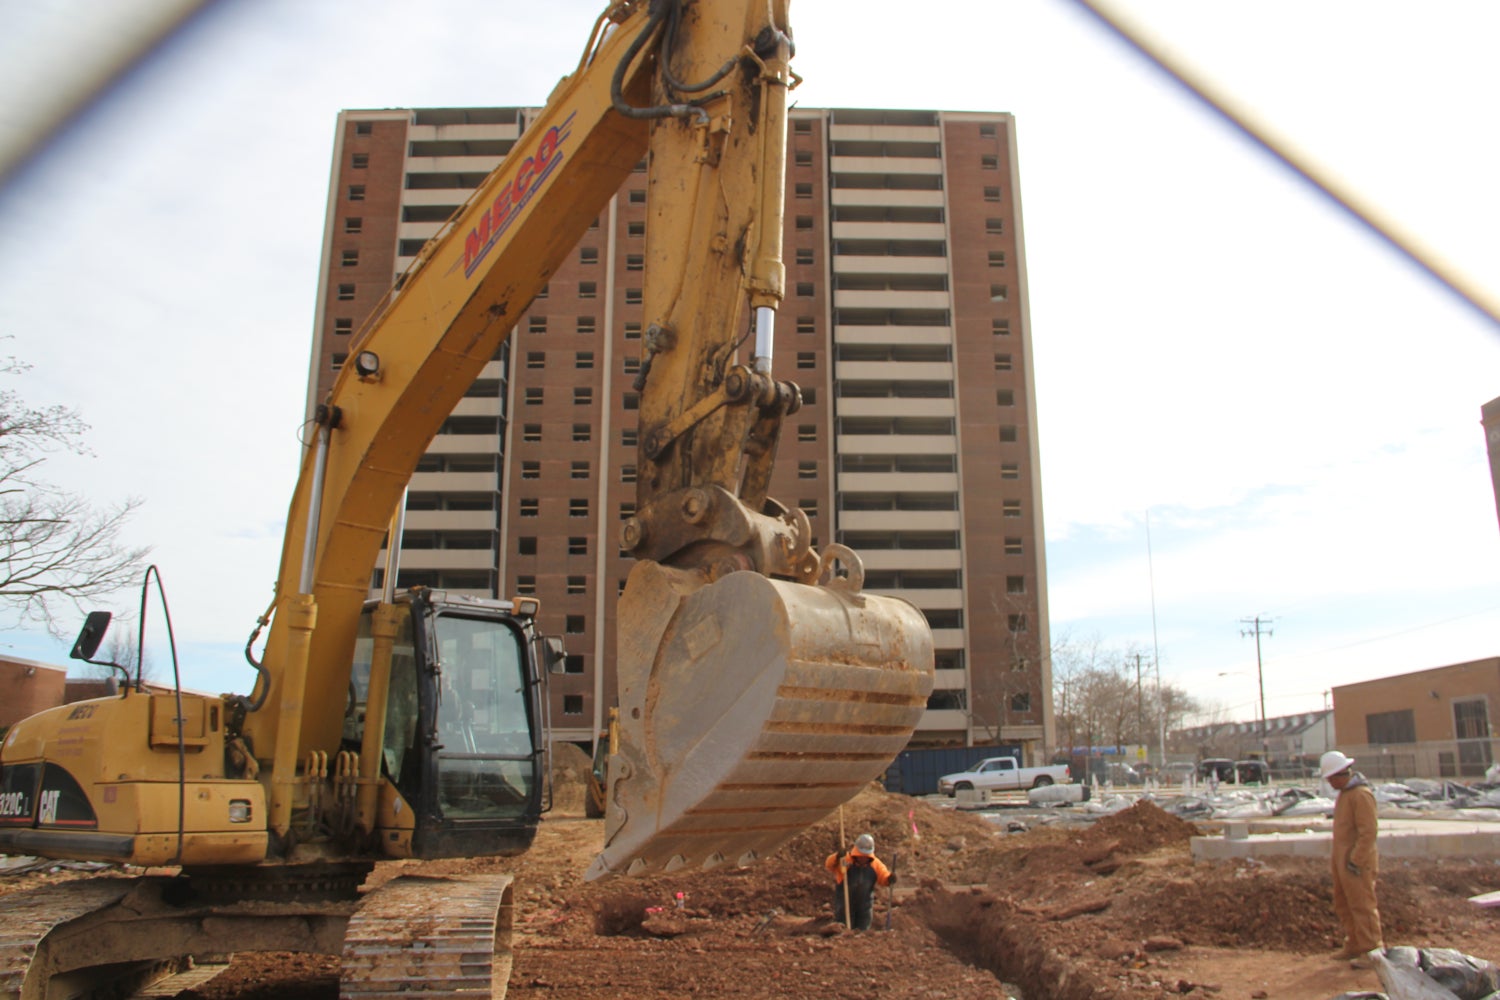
[(1003, 772)]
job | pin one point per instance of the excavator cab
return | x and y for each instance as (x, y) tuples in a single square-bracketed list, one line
[(463, 747)]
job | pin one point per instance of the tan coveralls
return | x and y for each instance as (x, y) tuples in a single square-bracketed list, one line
[(1354, 828)]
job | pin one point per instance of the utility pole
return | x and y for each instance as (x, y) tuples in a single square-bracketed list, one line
[(1260, 677)]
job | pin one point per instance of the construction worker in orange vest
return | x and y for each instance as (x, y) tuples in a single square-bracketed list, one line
[(864, 872)]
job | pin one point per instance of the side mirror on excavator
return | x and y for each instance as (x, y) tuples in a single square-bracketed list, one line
[(92, 634), (552, 655)]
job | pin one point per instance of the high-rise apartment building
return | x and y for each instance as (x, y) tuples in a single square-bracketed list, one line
[(905, 324)]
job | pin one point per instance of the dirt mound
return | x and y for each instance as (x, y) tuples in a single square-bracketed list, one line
[(1142, 828)]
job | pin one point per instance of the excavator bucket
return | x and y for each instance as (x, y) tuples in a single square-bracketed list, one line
[(749, 709)]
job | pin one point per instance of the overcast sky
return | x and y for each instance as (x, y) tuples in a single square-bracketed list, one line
[(1295, 407)]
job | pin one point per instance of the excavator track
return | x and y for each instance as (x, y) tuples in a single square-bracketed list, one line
[(28, 917), (397, 947), (412, 937)]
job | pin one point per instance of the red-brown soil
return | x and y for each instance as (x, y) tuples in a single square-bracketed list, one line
[(1064, 911)]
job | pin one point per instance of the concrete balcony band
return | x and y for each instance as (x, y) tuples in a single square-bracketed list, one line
[(886, 371), (897, 444)]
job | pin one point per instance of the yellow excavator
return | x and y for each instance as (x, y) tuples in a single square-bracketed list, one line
[(759, 687)]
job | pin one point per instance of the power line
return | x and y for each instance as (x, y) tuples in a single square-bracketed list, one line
[(1260, 675)]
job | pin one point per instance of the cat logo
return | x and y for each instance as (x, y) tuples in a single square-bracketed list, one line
[(48, 811)]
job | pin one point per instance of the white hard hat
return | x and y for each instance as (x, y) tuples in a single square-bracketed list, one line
[(864, 842), (1332, 763)]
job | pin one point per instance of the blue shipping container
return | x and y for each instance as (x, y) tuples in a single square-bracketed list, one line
[(916, 772)]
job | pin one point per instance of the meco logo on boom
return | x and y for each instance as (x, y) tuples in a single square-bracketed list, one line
[(513, 195)]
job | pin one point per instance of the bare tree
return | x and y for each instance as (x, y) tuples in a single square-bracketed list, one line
[(121, 649), (58, 553)]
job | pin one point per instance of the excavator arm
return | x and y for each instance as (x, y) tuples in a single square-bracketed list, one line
[(748, 664)]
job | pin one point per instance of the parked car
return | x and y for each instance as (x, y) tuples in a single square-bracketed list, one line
[(1117, 773), (1252, 772), (1218, 768)]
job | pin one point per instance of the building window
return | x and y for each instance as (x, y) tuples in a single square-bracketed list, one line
[(537, 324), (526, 545), (576, 585), (635, 229), (1005, 397), (804, 190), (588, 289), (546, 289), (588, 255), (804, 223), (1000, 327), (637, 196), (987, 129), (578, 507), (805, 289), (585, 324), (1010, 470), (350, 258), (1007, 433), (346, 293), (595, 223), (631, 401), (1470, 720), (809, 396), (635, 262), (534, 395), (806, 324), (989, 162), (802, 127), (354, 224), (1016, 623), (1002, 363), (1013, 546), (627, 510), (1015, 585), (572, 703), (583, 359), (581, 433), (532, 433), (632, 331), (356, 192), (343, 327), (574, 625), (578, 546), (807, 470), (807, 432), (1021, 702), (627, 473), (1391, 727), (948, 699), (536, 359), (999, 293), (531, 470), (1010, 508), (580, 470), (994, 227), (997, 258), (359, 161), (807, 359), (632, 296), (531, 507), (803, 157), (583, 395), (526, 585), (804, 255), (628, 437), (991, 194), (631, 364), (364, 128), (337, 361), (639, 168), (808, 507)]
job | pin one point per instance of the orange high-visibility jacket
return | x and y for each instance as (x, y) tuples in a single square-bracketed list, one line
[(857, 857)]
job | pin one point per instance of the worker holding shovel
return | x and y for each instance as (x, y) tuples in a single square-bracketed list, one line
[(856, 874)]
